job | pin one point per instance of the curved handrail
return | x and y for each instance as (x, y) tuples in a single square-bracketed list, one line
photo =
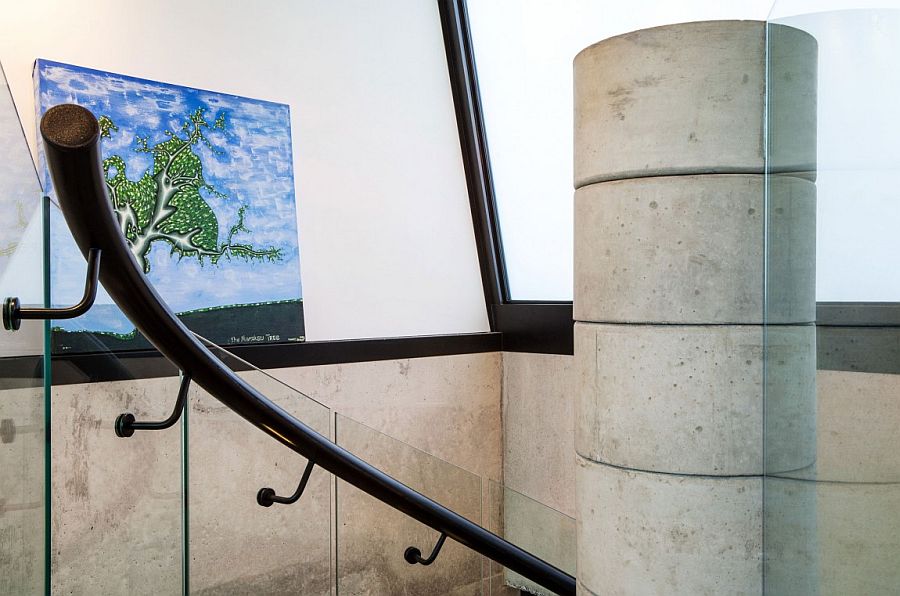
[(71, 147)]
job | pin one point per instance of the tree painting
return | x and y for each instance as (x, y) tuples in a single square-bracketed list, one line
[(202, 183), (166, 205)]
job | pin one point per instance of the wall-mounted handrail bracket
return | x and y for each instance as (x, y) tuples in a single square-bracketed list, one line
[(126, 424), (413, 555), (266, 497), (14, 313)]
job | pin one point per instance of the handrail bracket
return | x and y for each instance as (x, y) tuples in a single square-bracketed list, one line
[(14, 312)]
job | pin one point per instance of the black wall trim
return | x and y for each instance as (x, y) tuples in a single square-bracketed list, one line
[(473, 144), (542, 328), (97, 367), (871, 344), (534, 328), (858, 314)]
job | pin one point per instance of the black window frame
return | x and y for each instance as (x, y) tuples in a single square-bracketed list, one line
[(526, 325)]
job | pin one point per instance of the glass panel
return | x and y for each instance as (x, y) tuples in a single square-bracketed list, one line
[(116, 503), (533, 526), (237, 546), (524, 52), (858, 85), (22, 392), (372, 537), (832, 485)]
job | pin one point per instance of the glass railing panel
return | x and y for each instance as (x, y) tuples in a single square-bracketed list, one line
[(832, 409), (237, 546), (22, 484), (117, 503), (373, 537), (23, 395), (532, 526)]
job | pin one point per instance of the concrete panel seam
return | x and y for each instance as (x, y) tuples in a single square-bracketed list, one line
[(673, 474), (833, 482), (584, 588), (803, 174), (628, 323)]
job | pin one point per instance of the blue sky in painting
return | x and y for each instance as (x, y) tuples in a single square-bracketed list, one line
[(255, 169)]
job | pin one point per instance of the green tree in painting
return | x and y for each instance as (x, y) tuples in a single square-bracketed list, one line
[(165, 204)]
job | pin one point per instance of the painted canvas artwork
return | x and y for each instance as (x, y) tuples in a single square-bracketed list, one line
[(202, 184)]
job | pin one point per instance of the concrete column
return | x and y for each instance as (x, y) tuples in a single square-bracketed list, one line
[(672, 354)]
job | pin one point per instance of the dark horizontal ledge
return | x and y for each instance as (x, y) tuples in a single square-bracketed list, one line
[(21, 372), (68, 369), (869, 343), (536, 327), (858, 314)]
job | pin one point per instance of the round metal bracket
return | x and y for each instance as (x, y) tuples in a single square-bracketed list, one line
[(11, 320)]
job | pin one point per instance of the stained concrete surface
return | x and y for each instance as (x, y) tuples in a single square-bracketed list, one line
[(689, 99), (668, 534), (692, 249), (117, 522)]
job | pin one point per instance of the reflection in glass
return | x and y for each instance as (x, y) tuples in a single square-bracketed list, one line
[(372, 537), (117, 521), (533, 526), (237, 546), (23, 394), (831, 525)]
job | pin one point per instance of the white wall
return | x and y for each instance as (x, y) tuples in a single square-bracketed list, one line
[(386, 238)]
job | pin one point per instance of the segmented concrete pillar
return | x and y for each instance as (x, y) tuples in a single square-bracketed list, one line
[(671, 222)]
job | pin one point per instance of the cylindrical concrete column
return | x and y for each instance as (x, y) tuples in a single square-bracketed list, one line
[(672, 214)]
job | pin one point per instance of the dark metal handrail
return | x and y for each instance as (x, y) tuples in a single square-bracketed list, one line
[(71, 146)]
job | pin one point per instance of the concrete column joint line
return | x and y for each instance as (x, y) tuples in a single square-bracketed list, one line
[(803, 174), (675, 324), (661, 473), (781, 476), (584, 588)]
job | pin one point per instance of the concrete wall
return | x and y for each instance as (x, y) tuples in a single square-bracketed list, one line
[(117, 502), (538, 501), (117, 518), (539, 428), (835, 536)]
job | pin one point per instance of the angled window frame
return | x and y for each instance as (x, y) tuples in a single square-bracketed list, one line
[(526, 325)]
